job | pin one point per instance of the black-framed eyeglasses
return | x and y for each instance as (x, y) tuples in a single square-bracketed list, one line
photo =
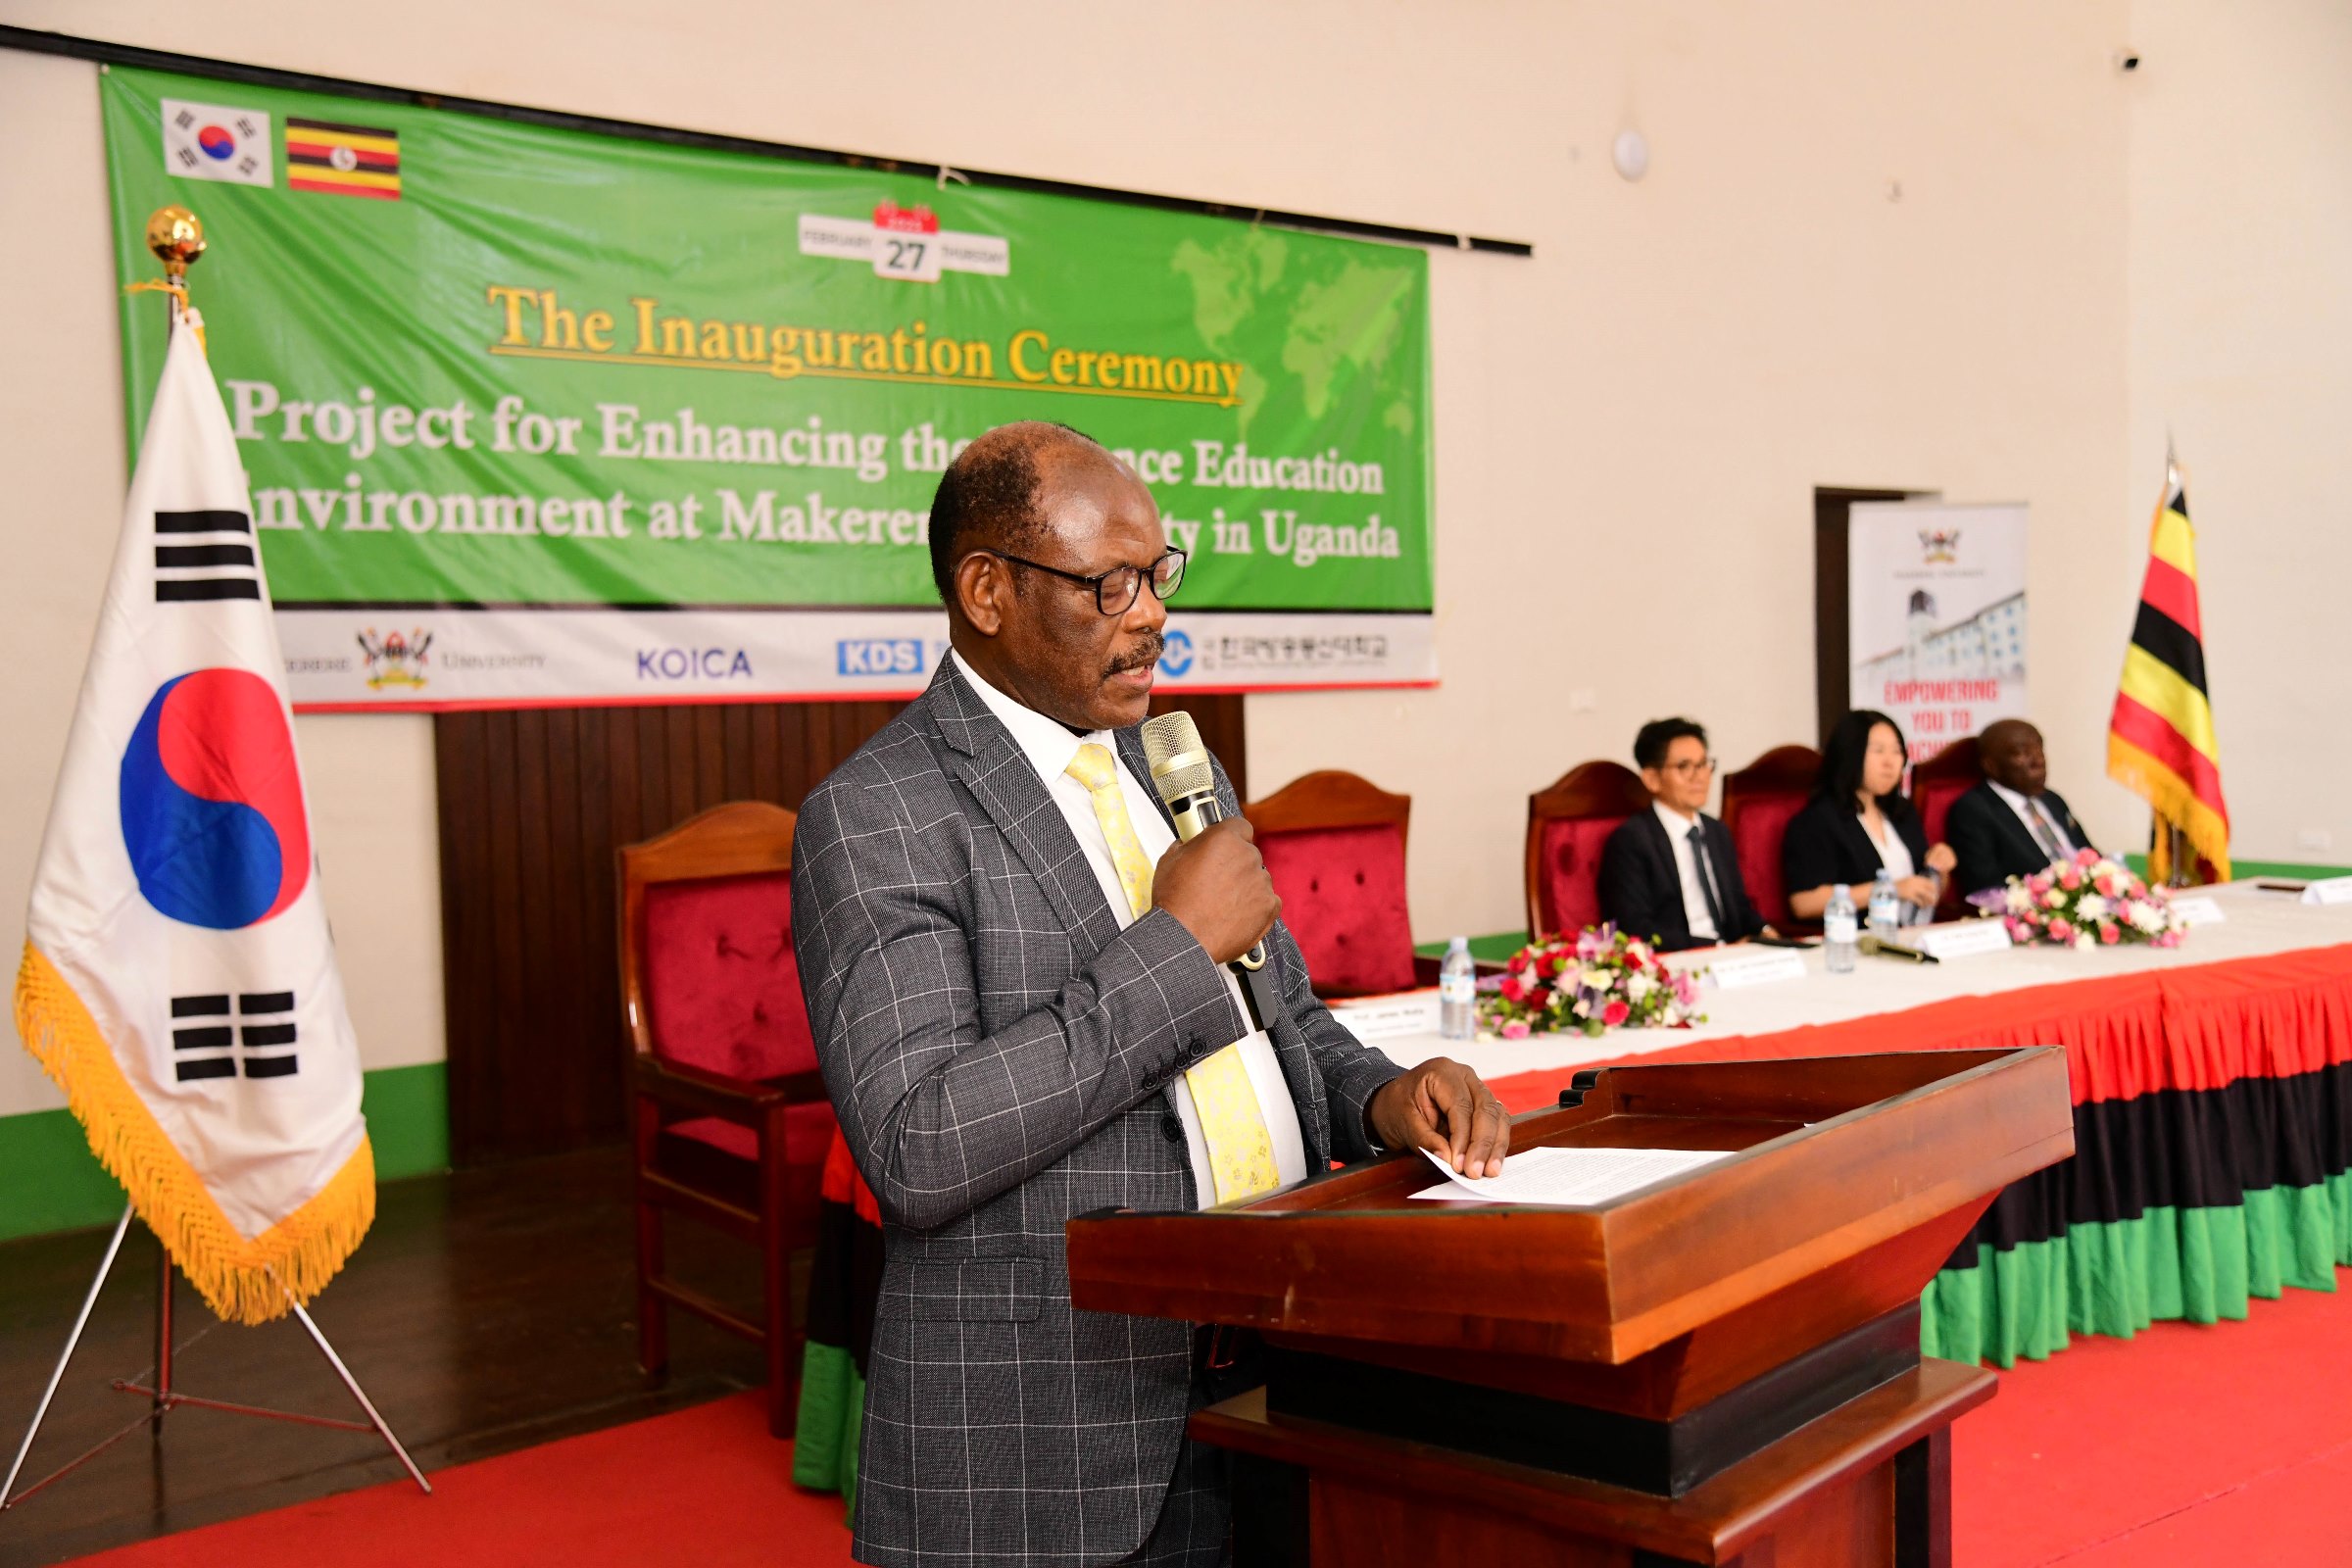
[(1115, 588)]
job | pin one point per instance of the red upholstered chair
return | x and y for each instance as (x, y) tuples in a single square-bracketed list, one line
[(1757, 802), (1333, 845), (729, 1114), (1934, 785), (1567, 825)]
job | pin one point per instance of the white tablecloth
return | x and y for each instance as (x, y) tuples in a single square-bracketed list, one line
[(2256, 923)]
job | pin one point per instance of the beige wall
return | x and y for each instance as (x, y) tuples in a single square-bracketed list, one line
[(2241, 346), (1895, 244)]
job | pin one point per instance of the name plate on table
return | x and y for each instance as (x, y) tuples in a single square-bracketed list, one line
[(1956, 939), (1738, 967), (2334, 890), (1390, 1017), (2199, 910)]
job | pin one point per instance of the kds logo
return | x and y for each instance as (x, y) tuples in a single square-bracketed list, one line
[(879, 655), (1176, 653)]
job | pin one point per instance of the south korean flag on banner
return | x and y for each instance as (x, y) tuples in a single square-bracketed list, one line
[(207, 141), (178, 979)]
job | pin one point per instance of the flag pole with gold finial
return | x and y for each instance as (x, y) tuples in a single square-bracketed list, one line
[(176, 236)]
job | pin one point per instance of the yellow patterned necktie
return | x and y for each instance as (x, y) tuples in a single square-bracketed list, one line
[(1241, 1152)]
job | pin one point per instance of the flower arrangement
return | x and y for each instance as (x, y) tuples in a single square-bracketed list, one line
[(1601, 979), (2086, 903)]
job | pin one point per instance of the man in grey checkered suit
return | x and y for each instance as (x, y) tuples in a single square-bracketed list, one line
[(1006, 1041)]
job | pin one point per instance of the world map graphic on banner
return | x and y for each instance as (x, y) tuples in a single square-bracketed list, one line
[(1936, 616), (562, 417)]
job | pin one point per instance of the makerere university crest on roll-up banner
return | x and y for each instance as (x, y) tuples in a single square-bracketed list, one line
[(179, 980)]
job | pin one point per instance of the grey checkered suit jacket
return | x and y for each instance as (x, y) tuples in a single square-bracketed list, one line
[(998, 1050)]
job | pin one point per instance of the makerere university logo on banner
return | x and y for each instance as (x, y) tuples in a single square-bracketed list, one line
[(207, 141), (179, 980)]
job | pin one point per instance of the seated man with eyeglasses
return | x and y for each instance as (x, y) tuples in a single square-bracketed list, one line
[(1669, 874)]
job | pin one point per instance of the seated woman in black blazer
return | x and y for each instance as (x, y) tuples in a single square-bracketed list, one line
[(1855, 824)]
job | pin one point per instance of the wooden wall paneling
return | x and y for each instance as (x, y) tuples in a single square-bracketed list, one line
[(533, 805)]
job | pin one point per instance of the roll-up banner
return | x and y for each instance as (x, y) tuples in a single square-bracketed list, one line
[(538, 415), (1936, 616)]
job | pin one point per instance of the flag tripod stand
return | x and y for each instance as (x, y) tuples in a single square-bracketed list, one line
[(163, 1398)]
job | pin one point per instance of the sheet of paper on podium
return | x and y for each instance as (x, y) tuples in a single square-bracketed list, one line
[(1570, 1175)]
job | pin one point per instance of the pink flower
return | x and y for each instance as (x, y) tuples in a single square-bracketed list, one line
[(2061, 931), (2038, 883), (2069, 878), (1615, 1013), (1516, 1029), (2087, 856), (2105, 886), (2109, 933)]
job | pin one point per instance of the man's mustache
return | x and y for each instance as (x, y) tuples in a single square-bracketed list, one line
[(1143, 655)]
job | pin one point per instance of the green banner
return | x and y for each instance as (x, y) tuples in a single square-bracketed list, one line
[(472, 362)]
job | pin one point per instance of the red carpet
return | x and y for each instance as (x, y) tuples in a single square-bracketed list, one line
[(2186, 1445), (707, 1487)]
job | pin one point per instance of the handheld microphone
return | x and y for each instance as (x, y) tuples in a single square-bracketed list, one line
[(1188, 787), (1871, 943)]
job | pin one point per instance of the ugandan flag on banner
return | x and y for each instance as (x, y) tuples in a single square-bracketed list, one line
[(845, 1282), (342, 159), (2160, 742)]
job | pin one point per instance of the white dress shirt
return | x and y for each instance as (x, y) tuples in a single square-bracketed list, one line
[(2026, 814), (1679, 830), (1049, 746)]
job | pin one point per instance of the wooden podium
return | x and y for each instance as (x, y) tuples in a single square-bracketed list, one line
[(1721, 1368)]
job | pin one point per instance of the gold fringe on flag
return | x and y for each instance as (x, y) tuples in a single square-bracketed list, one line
[(244, 1280), (2175, 804)]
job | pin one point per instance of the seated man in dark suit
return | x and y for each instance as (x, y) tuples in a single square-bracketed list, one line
[(2012, 823), (1669, 872)]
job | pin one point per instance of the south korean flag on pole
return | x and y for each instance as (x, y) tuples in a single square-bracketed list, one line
[(207, 141), (179, 980)]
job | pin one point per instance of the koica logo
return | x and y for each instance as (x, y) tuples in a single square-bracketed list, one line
[(905, 243), (693, 664), (879, 655)]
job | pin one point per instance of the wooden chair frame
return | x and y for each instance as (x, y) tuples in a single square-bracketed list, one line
[(743, 837), (1589, 789)]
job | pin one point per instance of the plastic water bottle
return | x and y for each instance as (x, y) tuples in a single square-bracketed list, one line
[(1457, 991), (1837, 931), (1885, 907)]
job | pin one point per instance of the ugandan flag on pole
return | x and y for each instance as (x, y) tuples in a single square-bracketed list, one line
[(2160, 743), (342, 159), (179, 980)]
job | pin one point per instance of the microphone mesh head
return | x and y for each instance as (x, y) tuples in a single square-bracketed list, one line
[(1173, 738)]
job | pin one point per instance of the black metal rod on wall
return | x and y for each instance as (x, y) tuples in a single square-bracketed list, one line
[(34, 41)]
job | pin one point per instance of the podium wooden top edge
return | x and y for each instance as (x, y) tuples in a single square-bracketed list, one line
[(1909, 1141)]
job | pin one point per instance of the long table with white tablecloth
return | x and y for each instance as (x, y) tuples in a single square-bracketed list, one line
[(2213, 1094)]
